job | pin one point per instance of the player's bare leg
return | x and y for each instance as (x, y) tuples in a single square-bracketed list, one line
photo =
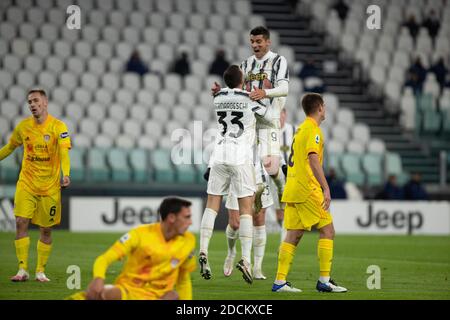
[(246, 236), (280, 218), (22, 244), (206, 231), (272, 165)]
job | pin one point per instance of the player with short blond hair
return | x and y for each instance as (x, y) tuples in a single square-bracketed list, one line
[(46, 145)]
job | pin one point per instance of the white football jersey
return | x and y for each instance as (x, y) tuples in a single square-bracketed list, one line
[(235, 112), (265, 73)]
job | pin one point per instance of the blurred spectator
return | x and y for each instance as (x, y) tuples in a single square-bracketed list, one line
[(182, 65), (440, 71), (220, 64), (432, 24), (412, 25), (337, 189), (418, 69), (412, 81), (414, 190), (342, 9), (391, 190), (308, 70), (135, 64)]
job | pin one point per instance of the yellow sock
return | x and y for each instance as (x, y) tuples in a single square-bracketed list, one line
[(285, 257), (22, 247), (43, 251), (325, 255)]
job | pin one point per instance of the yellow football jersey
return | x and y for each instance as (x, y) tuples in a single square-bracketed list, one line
[(154, 263), (300, 180), (41, 164)]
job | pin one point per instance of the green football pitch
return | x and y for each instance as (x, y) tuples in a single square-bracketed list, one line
[(411, 267)]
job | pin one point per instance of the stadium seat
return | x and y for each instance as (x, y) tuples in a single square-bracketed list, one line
[(4, 126), (152, 82), (60, 95), (17, 94), (89, 127), (77, 168), (9, 169), (352, 168), (104, 96), (124, 97), (138, 19), (138, 159), (81, 141), (25, 79), (146, 142), (117, 159), (376, 146), (334, 161), (372, 165), (185, 7), (166, 98), (12, 63), (33, 64), (393, 166), (187, 99), (431, 122), (131, 35), (55, 110), (97, 167), (340, 133), (161, 163)]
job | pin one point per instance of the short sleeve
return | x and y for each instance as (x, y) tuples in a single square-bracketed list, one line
[(127, 243), (63, 136), (313, 141), (283, 70)]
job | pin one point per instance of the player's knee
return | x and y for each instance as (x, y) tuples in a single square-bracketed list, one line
[(327, 232), (21, 225), (234, 224), (46, 234)]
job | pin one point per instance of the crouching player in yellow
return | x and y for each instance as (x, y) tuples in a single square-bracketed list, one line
[(46, 145), (160, 259)]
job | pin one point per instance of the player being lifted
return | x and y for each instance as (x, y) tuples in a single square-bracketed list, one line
[(46, 145), (232, 169), (267, 79)]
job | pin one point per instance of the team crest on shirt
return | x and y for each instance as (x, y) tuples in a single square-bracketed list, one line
[(46, 137), (174, 262), (317, 138)]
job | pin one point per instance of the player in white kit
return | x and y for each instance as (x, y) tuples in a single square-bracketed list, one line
[(232, 169), (267, 79)]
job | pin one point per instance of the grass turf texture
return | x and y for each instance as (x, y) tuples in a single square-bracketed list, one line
[(412, 267)]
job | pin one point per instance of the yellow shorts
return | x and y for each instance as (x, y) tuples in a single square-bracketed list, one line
[(44, 211), (135, 293), (304, 215)]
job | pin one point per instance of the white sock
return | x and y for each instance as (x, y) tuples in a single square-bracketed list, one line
[(324, 279), (232, 236), (246, 235), (259, 245), (206, 229)]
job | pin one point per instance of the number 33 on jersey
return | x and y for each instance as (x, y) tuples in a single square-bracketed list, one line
[(236, 124)]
